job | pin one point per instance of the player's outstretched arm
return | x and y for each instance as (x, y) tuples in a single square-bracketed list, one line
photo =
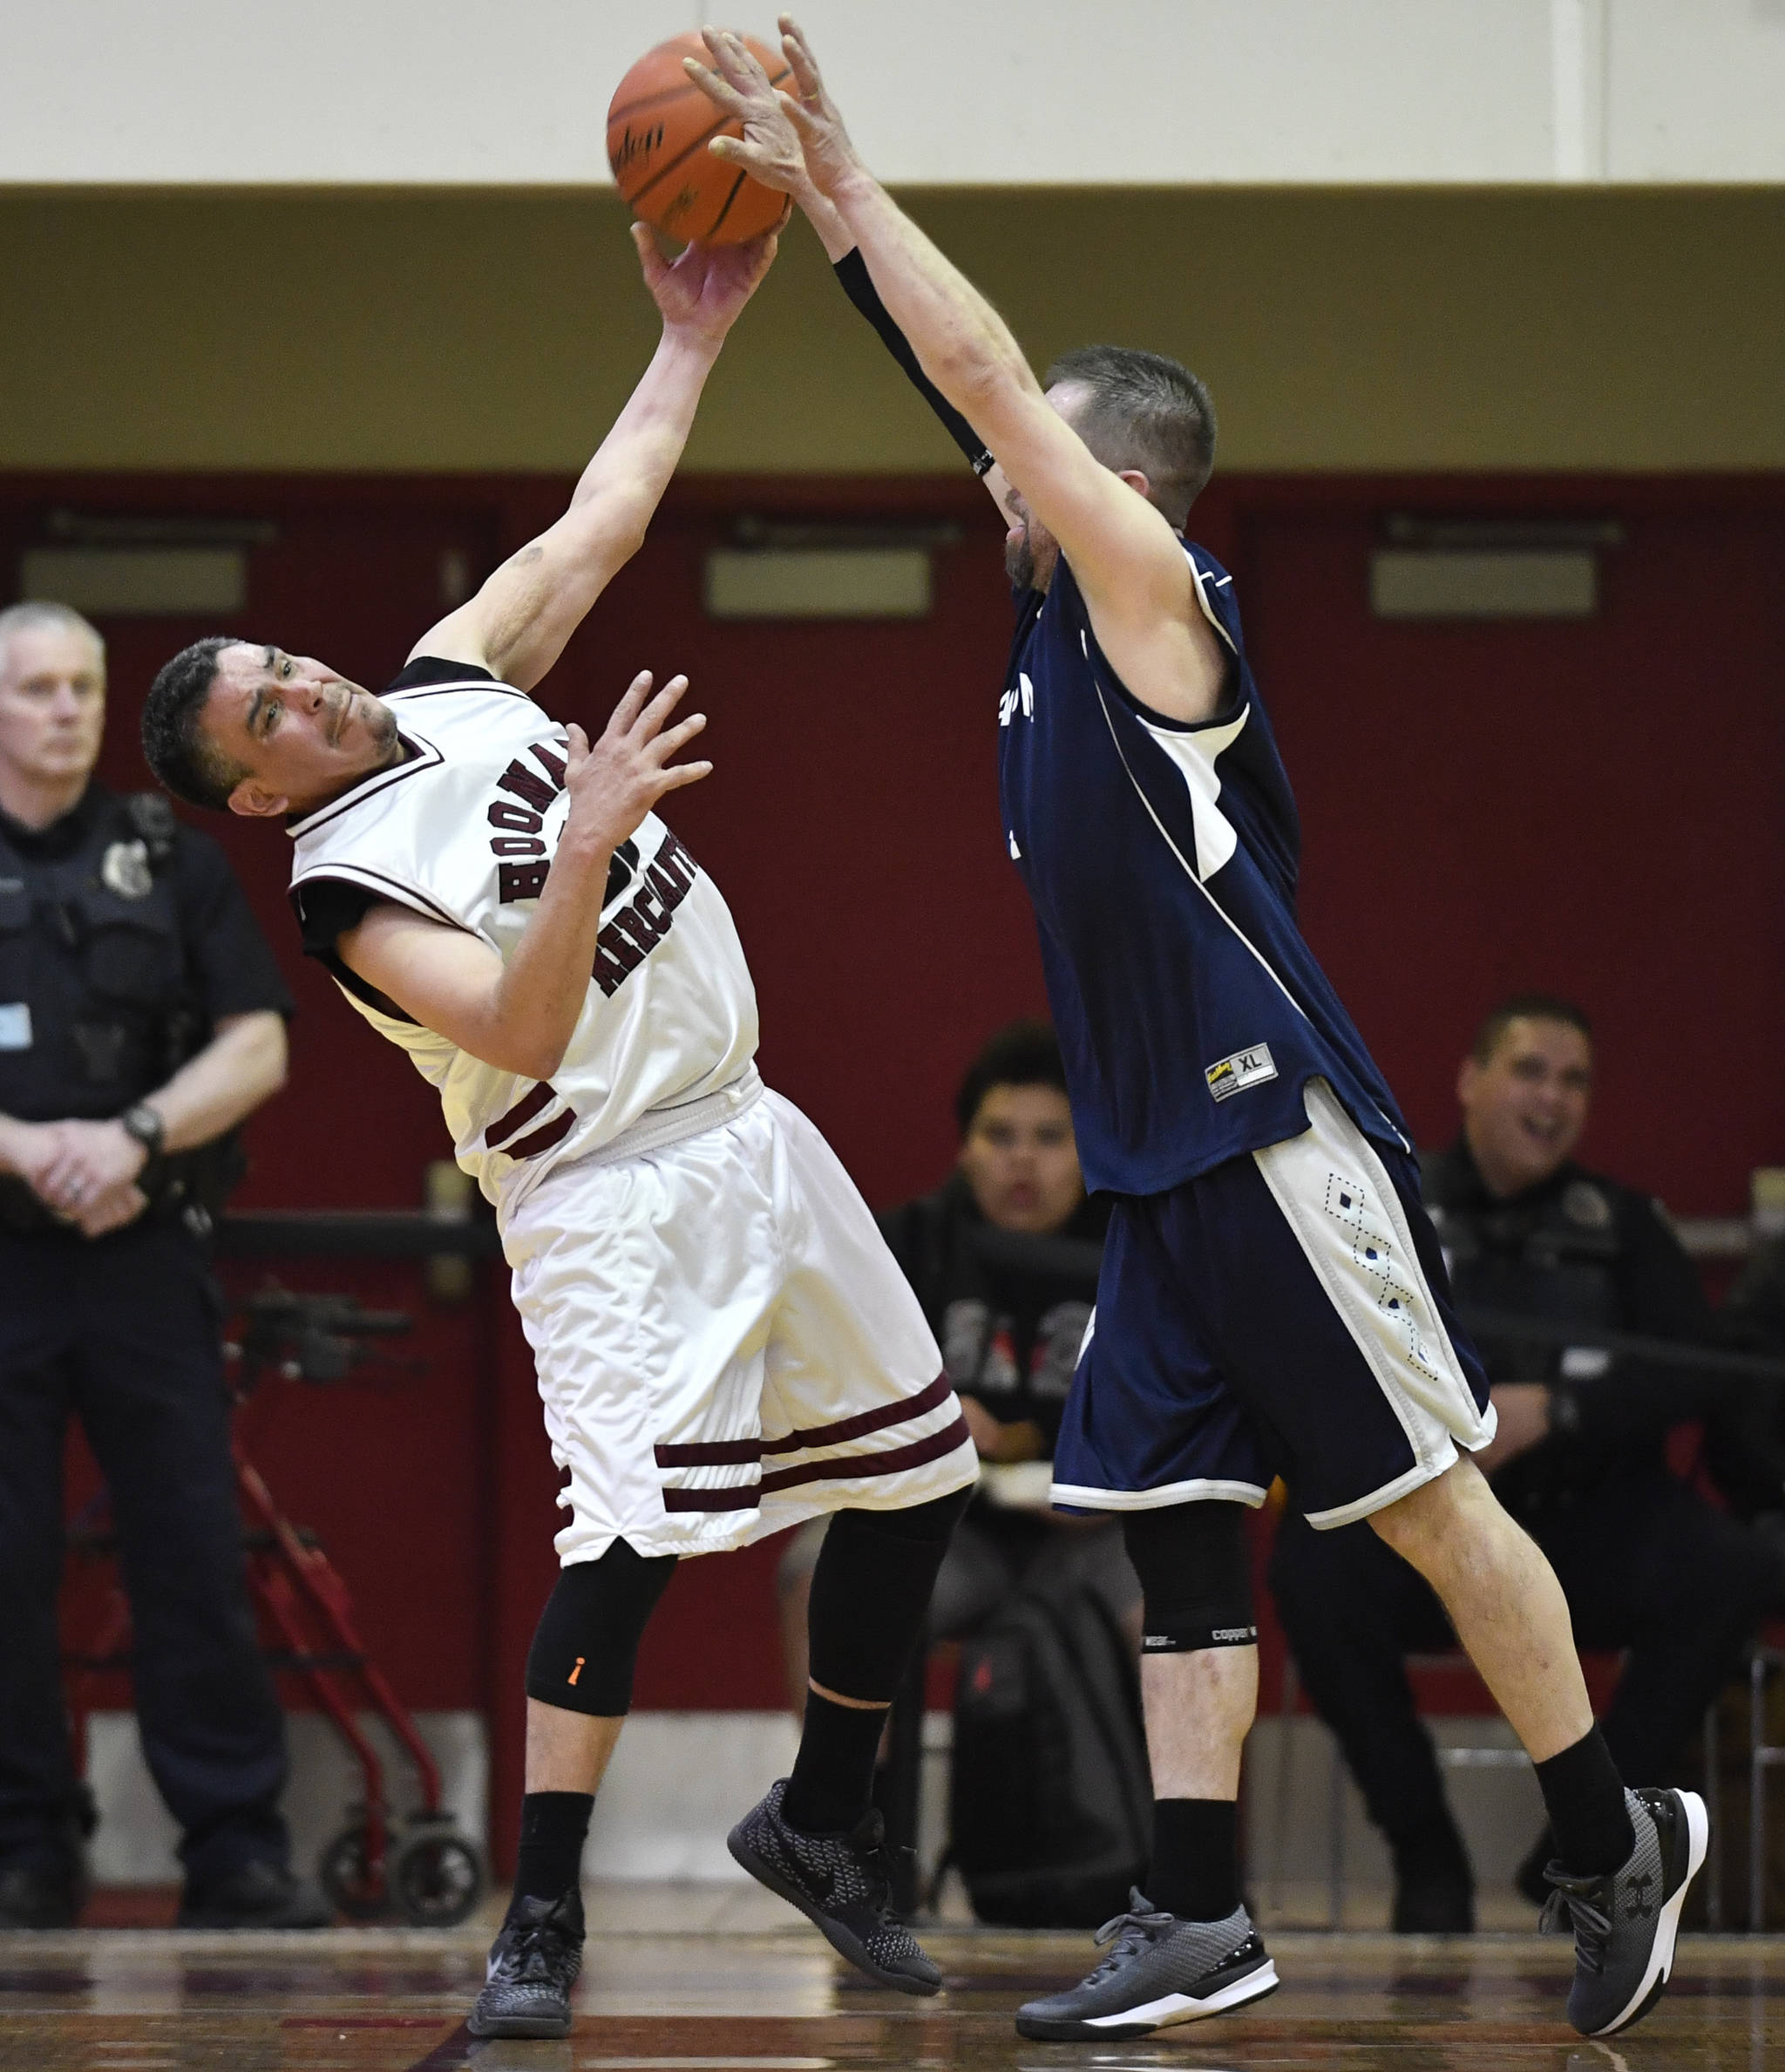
[(516, 625), (1127, 562), (519, 1016)]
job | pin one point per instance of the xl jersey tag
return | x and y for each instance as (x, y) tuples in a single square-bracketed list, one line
[(15, 1025), (1243, 1068)]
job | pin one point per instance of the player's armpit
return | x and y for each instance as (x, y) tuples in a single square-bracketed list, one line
[(1129, 563), (444, 978)]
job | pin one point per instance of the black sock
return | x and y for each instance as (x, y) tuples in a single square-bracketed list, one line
[(1584, 1797), (1195, 1871), (553, 1827), (833, 1773)]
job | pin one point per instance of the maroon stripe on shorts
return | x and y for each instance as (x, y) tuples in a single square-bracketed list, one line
[(892, 1462), (520, 1114), (711, 1453), (542, 1140), (857, 1428), (743, 1496)]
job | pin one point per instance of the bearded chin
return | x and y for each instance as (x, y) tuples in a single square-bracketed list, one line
[(1020, 563)]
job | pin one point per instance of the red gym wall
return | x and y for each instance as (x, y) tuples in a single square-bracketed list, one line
[(1589, 807)]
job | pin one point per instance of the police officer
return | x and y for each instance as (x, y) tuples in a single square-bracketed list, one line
[(141, 1018), (1647, 1564)]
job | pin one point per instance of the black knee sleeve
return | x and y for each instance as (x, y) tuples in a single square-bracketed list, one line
[(587, 1640), (871, 1589), (1195, 1571)]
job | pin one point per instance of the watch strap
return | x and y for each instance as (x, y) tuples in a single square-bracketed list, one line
[(145, 1125)]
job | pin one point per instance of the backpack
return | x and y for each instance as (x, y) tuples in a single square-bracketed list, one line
[(1051, 1799)]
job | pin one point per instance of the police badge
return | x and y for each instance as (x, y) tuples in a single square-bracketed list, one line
[(1586, 1205), (124, 870)]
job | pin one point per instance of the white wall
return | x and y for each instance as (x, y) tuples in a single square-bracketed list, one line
[(1024, 92)]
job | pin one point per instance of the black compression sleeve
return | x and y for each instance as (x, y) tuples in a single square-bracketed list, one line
[(852, 271)]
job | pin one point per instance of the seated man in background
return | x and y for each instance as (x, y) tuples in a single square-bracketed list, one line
[(1745, 1447), (1008, 1302), (1646, 1563)]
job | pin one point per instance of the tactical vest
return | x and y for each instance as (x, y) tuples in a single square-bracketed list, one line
[(1555, 1259), (96, 1006)]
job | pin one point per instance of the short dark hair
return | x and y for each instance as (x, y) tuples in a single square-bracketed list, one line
[(1526, 1007), (190, 766), (1146, 412), (1022, 1054)]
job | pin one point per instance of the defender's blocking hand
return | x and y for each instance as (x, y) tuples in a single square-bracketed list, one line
[(794, 145)]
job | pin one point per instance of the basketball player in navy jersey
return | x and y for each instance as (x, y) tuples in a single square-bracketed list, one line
[(1272, 1298)]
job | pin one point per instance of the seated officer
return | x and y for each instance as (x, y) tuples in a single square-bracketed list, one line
[(1745, 1447), (141, 1018), (1008, 1311), (1646, 1563)]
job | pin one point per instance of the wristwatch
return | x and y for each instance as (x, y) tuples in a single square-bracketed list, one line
[(146, 1124)]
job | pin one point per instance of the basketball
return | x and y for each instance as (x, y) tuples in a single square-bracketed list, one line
[(659, 125)]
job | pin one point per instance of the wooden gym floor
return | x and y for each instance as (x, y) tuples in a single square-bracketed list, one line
[(673, 1984)]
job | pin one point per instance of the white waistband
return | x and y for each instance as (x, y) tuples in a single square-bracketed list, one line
[(661, 1126)]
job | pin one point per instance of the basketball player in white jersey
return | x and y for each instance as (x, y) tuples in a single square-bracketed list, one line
[(724, 1345)]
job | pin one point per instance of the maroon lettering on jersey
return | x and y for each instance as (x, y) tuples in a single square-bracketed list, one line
[(520, 880), (633, 924), (525, 783), (650, 910), (519, 820), (630, 936), (553, 764), (615, 960)]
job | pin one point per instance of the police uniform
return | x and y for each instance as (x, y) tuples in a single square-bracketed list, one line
[(123, 937), (723, 1346), (1644, 1562)]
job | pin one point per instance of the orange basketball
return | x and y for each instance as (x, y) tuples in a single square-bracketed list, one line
[(659, 125)]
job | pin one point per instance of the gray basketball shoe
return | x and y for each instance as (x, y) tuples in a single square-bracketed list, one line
[(842, 1883), (533, 1964), (1625, 1923), (1161, 1971)]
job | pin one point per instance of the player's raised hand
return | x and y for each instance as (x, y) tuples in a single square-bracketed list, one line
[(769, 149), (829, 155), (787, 143), (616, 780), (704, 288)]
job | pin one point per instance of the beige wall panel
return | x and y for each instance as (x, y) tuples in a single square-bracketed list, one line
[(1338, 331), (510, 93)]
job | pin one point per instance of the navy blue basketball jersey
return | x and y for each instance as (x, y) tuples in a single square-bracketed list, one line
[(1161, 861)]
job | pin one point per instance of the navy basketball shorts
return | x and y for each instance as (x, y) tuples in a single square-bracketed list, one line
[(1286, 1313)]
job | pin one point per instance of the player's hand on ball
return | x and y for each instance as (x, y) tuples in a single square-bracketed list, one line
[(703, 289), (615, 780), (792, 145), (769, 149)]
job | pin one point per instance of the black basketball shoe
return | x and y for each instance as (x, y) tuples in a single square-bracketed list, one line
[(533, 1964), (1160, 1972), (842, 1883), (1625, 1923)]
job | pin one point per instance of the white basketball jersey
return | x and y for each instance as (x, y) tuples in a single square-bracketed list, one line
[(464, 831)]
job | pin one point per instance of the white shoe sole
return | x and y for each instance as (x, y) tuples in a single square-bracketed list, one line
[(1168, 2011), (1661, 1964)]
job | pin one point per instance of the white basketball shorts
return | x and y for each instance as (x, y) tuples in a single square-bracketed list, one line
[(724, 1345)]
